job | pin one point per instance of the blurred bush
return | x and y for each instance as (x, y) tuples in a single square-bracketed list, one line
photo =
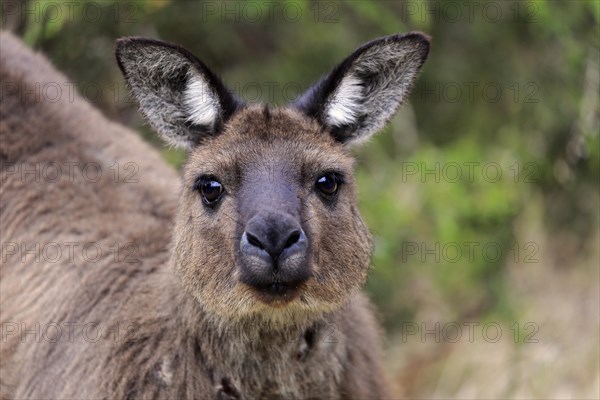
[(506, 111)]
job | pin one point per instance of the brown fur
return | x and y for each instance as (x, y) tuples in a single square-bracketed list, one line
[(186, 327)]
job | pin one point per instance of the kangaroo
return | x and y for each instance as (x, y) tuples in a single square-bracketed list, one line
[(245, 285)]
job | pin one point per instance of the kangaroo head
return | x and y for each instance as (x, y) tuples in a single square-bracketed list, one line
[(268, 225)]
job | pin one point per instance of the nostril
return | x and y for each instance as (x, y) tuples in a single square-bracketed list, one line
[(254, 241), (293, 238)]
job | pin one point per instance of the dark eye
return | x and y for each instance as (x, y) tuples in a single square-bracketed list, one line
[(210, 189), (328, 184)]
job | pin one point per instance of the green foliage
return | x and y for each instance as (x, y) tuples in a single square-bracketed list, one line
[(517, 94)]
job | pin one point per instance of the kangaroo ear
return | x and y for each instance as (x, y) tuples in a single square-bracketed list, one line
[(179, 96), (362, 93)]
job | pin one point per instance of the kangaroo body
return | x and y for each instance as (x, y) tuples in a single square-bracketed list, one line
[(112, 286)]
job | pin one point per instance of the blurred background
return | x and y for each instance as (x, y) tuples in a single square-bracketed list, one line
[(482, 194)]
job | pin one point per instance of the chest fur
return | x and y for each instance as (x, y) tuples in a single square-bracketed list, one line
[(304, 366)]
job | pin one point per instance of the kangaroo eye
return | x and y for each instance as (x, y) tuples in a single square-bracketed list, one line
[(328, 184), (210, 189)]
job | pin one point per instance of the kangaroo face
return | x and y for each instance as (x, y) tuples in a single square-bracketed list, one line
[(268, 217), (268, 223)]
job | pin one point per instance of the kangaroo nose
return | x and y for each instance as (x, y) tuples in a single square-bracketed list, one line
[(273, 241), (274, 253)]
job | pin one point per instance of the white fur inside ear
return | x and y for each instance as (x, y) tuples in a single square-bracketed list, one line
[(345, 105), (201, 104)]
